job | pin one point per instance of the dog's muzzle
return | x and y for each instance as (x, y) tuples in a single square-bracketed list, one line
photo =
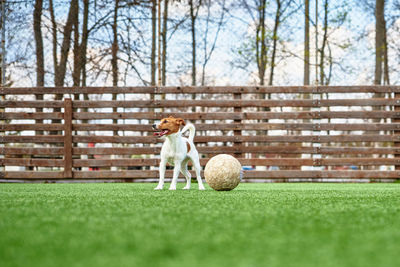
[(159, 132)]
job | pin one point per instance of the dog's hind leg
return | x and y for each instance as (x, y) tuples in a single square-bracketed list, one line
[(174, 181), (187, 174)]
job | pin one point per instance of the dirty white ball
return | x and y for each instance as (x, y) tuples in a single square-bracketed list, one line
[(223, 172)]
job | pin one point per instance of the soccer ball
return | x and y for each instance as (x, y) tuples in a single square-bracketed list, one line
[(223, 172)]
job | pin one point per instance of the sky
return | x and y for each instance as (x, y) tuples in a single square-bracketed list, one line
[(353, 65)]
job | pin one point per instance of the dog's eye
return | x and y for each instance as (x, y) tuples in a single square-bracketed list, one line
[(165, 121)]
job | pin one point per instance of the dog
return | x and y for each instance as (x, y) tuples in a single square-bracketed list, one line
[(177, 151)]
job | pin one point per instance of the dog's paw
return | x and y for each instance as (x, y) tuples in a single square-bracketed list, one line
[(172, 188), (158, 188), (202, 188), (186, 188)]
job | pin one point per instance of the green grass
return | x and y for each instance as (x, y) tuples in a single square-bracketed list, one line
[(253, 225)]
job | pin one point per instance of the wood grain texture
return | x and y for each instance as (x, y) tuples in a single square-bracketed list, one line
[(232, 120)]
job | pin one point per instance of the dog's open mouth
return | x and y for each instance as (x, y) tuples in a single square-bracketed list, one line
[(160, 133)]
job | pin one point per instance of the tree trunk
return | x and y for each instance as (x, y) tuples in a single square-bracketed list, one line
[(164, 44), (329, 77), (114, 56), (379, 39), (114, 47), (159, 80), (193, 17), (379, 55), (37, 20), (307, 43), (65, 47), (61, 68), (306, 77), (54, 35), (83, 46), (261, 47), (386, 79), (261, 56), (153, 41), (205, 40), (316, 42), (322, 50), (275, 40), (83, 60), (76, 50), (83, 49)]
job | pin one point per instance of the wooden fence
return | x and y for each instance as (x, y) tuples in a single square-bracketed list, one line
[(313, 133)]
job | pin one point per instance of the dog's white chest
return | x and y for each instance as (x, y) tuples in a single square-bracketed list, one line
[(172, 151)]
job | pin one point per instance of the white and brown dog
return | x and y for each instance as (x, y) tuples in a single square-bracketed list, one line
[(177, 151)]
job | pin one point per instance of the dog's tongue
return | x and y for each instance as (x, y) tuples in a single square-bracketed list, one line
[(161, 133)]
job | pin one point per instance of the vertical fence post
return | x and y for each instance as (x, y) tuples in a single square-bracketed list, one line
[(237, 133), (67, 138), (396, 120), (2, 133), (316, 143)]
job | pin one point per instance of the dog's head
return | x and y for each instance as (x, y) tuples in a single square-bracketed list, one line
[(168, 126)]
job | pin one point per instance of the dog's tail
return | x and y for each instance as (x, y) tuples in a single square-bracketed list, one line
[(192, 130)]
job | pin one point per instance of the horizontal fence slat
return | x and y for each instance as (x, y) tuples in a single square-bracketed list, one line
[(32, 175), (358, 150), (115, 151), (114, 162), (156, 150), (231, 127), (140, 174), (208, 116), (228, 103), (247, 174), (356, 161), (243, 161), (33, 150), (201, 90), (229, 149), (134, 174), (36, 126), (238, 115), (32, 162), (32, 115), (255, 138), (278, 139), (322, 174), (211, 127), (33, 139), (32, 104), (265, 149), (376, 114), (146, 162)]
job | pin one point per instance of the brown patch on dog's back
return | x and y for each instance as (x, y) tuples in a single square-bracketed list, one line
[(187, 146)]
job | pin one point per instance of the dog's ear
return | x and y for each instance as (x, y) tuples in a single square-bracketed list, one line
[(180, 121)]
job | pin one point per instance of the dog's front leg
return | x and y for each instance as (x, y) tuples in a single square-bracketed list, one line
[(163, 165), (177, 169)]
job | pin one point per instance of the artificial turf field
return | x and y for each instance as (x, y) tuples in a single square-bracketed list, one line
[(253, 225)]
